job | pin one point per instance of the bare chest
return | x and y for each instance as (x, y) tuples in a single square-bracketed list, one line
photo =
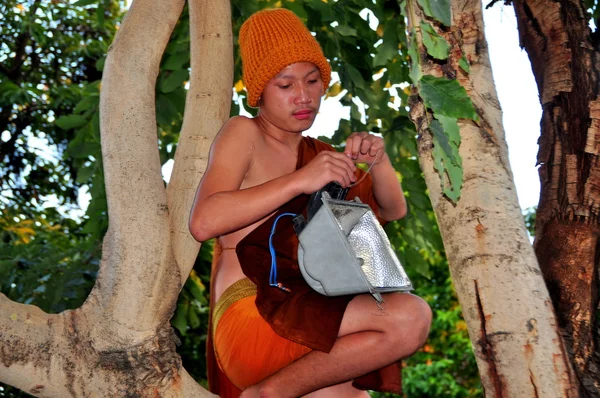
[(269, 164)]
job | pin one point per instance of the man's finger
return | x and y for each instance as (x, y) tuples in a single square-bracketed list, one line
[(375, 149), (344, 158), (365, 145), (353, 143), (340, 175)]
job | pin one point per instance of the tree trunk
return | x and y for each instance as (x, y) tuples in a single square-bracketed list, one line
[(505, 303), (566, 65), (120, 342)]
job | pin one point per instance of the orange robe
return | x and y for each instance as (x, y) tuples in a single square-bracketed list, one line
[(302, 315)]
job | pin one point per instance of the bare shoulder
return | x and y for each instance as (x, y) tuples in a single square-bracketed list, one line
[(238, 128), (238, 136)]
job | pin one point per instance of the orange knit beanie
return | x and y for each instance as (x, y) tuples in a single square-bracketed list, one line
[(269, 41)]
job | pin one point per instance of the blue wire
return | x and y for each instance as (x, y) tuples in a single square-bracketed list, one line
[(273, 275)]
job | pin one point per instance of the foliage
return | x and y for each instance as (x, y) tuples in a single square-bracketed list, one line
[(45, 260), (530, 215), (49, 57), (444, 98), (191, 317), (593, 12), (68, 119)]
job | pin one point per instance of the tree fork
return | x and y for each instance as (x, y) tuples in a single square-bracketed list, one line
[(505, 303), (120, 343), (566, 68)]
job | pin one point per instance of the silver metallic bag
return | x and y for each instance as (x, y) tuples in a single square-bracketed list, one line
[(344, 250)]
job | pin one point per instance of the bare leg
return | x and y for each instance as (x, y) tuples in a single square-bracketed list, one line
[(368, 339), (344, 390)]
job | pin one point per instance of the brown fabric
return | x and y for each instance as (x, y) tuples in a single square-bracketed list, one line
[(303, 315)]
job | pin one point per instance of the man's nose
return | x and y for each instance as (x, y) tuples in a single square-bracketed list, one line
[(302, 94)]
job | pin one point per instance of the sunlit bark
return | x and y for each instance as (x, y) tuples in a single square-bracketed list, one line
[(502, 293)]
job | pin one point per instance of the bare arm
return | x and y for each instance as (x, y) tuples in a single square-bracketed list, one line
[(363, 147), (222, 206)]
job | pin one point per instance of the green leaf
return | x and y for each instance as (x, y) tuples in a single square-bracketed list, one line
[(415, 73), (447, 97), (100, 15), (437, 9), (86, 103), (440, 137), (397, 71), (356, 77), (355, 112), (415, 260), (389, 47), (195, 287), (166, 111), (81, 150), (402, 4), (92, 87), (173, 80), (177, 98), (95, 125), (100, 63), (464, 64), (436, 45), (324, 10), (84, 174), (82, 3), (346, 30), (193, 318), (297, 8), (176, 61), (179, 320), (451, 129), (447, 161), (70, 122)]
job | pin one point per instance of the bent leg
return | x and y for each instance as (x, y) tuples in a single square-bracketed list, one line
[(369, 339), (246, 347), (343, 390)]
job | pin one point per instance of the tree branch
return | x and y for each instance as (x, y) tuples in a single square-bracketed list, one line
[(26, 347), (138, 281), (206, 109)]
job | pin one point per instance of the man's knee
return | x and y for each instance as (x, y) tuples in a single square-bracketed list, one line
[(413, 315)]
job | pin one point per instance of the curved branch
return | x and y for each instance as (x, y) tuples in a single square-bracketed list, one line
[(138, 270), (206, 109)]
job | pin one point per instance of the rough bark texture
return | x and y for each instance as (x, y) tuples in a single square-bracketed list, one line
[(505, 302), (120, 342), (566, 66)]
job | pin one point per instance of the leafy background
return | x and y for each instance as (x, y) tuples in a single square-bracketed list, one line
[(51, 61)]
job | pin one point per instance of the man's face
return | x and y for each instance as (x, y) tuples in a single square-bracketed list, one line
[(291, 99)]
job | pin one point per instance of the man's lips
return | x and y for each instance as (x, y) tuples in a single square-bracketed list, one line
[(303, 114)]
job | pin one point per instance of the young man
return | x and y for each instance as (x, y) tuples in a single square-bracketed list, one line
[(270, 342)]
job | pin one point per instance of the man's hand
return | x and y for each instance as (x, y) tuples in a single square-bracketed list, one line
[(327, 166), (364, 148)]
